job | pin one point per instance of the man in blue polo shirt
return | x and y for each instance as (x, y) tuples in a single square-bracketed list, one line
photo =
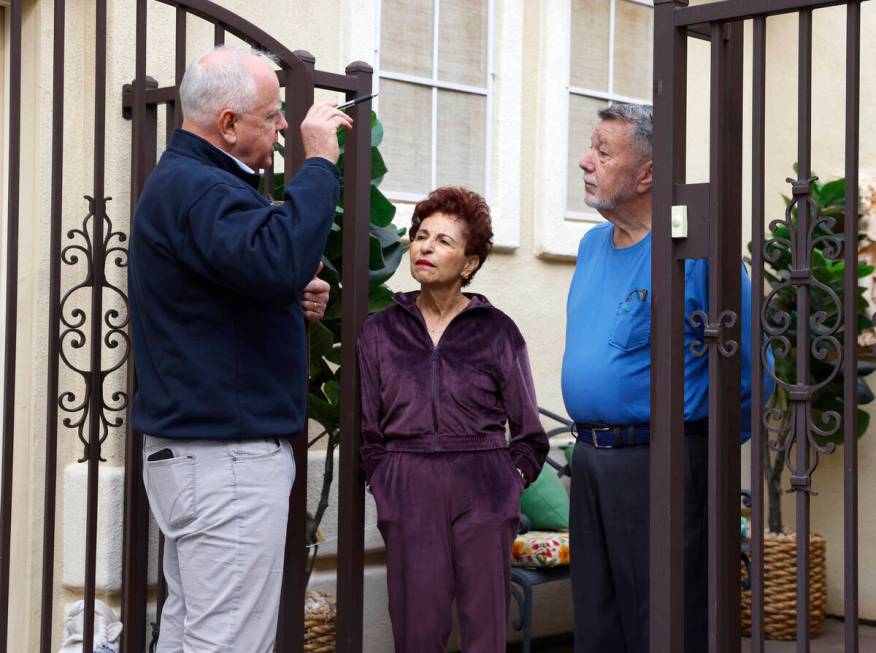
[(606, 383)]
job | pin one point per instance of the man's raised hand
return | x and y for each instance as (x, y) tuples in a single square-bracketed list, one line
[(319, 130)]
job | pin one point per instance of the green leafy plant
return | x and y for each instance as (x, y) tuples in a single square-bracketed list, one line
[(385, 253), (828, 267)]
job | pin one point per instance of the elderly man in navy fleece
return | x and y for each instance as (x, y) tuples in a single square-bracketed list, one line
[(606, 387), (220, 284)]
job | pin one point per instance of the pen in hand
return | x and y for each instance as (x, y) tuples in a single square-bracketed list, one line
[(355, 101)]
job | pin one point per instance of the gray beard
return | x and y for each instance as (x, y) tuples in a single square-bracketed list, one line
[(609, 203), (600, 203)]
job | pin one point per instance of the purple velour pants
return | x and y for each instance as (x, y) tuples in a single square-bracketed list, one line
[(448, 521)]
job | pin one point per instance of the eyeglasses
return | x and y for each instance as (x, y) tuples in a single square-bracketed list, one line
[(640, 294)]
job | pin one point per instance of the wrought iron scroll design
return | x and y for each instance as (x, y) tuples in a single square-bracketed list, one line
[(73, 328), (806, 233), (713, 333)]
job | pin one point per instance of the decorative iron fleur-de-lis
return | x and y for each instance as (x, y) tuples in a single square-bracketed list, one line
[(713, 333)]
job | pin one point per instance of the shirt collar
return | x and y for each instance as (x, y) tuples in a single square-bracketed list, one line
[(185, 143), (242, 165)]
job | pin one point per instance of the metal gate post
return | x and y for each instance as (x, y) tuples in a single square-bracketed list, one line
[(667, 348), (725, 245), (351, 490)]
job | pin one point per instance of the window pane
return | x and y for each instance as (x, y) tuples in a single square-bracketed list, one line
[(632, 49), (406, 113), (406, 28), (462, 140), (462, 42), (582, 121), (589, 51)]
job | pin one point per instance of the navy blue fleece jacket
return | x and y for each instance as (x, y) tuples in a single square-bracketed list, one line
[(216, 272)]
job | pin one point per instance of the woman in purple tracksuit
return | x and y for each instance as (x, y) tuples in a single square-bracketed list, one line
[(441, 373)]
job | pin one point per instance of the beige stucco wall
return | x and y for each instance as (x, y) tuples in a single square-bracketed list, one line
[(529, 287)]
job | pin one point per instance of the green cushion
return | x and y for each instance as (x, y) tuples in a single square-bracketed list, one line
[(545, 502)]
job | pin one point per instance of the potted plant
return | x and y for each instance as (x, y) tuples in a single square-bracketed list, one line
[(323, 400), (828, 267)]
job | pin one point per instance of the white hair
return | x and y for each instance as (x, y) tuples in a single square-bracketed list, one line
[(220, 83)]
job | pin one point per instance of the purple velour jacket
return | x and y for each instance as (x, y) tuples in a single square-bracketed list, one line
[(456, 396)]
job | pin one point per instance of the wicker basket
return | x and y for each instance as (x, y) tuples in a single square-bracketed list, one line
[(319, 622), (780, 587)]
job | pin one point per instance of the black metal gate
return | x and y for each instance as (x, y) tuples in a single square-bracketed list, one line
[(715, 233), (99, 324)]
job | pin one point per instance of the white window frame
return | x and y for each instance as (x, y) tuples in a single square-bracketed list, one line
[(502, 139), (559, 230)]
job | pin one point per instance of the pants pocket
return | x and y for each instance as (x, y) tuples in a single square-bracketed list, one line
[(258, 449), (171, 490), (375, 474), (385, 484), (518, 479)]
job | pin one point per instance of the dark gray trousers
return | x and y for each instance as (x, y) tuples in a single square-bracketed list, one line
[(609, 526)]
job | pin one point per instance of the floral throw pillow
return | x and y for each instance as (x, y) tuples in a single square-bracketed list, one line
[(540, 549)]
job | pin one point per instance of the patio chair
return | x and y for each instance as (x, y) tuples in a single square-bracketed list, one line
[(524, 579)]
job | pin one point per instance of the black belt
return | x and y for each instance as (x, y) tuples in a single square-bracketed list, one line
[(607, 436)]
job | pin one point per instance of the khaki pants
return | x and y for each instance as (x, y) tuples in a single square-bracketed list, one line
[(222, 507)]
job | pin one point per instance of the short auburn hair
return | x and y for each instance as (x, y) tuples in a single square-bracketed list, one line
[(468, 207)]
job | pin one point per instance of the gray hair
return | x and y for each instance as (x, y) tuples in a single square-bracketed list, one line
[(640, 117), (223, 82)]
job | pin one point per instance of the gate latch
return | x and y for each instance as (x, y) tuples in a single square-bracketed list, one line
[(679, 221)]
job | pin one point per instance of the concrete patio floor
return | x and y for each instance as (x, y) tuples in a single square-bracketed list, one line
[(829, 641)]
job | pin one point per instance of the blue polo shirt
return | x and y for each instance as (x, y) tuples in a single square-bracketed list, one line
[(607, 362)]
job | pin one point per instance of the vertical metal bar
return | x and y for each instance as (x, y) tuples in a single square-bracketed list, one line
[(136, 519), (161, 590), (136, 538), (351, 491), (170, 113), (139, 170), (299, 98), (290, 627), (725, 244), (717, 118), (801, 426), (850, 336), (179, 63), (14, 176), (218, 34), (97, 281), (667, 348), (51, 464), (758, 138), (136, 545)]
